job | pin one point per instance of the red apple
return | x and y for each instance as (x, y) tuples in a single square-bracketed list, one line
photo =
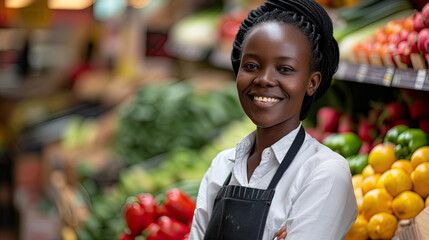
[(346, 124), (418, 22), (419, 110), (394, 38), (404, 52), (425, 15), (422, 37), (366, 131), (412, 41), (327, 119), (403, 36)]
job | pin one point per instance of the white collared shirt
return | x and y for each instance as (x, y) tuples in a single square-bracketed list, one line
[(314, 199)]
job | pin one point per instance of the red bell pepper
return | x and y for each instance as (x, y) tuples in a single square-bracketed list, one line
[(180, 205), (171, 229), (148, 203), (134, 217)]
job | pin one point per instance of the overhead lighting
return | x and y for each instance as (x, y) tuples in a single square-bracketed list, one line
[(17, 3), (138, 3), (69, 5)]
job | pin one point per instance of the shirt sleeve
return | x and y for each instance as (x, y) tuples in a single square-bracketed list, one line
[(201, 217), (325, 207)]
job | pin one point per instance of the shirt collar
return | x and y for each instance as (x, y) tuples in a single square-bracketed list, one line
[(279, 148)]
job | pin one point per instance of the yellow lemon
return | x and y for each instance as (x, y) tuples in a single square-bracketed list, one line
[(426, 202), (367, 171), (396, 181), (376, 201), (359, 230), (404, 164), (407, 205), (419, 156), (382, 226), (381, 157), (420, 179), (370, 183), (357, 180)]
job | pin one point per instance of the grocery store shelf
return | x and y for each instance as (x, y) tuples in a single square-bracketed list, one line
[(385, 76)]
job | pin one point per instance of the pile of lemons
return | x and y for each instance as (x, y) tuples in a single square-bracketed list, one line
[(389, 190)]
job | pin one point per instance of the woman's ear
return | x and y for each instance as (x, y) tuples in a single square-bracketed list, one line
[(314, 83)]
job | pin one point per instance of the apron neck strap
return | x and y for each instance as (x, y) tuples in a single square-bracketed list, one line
[(290, 155)]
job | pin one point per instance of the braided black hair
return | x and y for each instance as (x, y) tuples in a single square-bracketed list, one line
[(314, 22)]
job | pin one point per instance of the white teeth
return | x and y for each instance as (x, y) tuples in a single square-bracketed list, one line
[(266, 99)]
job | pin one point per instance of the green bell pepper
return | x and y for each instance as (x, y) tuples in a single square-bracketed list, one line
[(393, 133), (357, 163), (409, 141), (346, 144)]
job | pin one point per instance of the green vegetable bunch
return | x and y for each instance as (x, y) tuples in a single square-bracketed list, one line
[(164, 117)]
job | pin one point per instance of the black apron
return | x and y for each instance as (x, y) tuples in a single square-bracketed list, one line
[(241, 212)]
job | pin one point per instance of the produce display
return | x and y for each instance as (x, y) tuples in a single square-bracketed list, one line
[(400, 42), (176, 116), (388, 190), (169, 220), (168, 134), (181, 168)]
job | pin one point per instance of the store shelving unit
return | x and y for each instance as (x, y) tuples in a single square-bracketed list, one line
[(385, 76)]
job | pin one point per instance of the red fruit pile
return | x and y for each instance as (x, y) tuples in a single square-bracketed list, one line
[(168, 221), (396, 43)]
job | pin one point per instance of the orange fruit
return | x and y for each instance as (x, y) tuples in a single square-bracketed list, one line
[(381, 157), (359, 230), (367, 171), (376, 201), (396, 181), (420, 179), (403, 164), (382, 226), (419, 156), (370, 183), (407, 205), (426, 202)]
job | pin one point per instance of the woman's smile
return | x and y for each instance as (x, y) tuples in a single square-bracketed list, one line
[(262, 101)]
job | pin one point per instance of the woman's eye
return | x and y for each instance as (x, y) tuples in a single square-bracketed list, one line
[(285, 69), (250, 66)]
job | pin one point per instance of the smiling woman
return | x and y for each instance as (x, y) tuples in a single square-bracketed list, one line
[(279, 182)]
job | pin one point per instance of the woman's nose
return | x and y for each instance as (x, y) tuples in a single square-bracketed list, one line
[(265, 78)]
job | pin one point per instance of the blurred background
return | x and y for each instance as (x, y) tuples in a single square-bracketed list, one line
[(104, 99)]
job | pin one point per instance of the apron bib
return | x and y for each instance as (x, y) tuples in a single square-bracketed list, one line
[(240, 213)]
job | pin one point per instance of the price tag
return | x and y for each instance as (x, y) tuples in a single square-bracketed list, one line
[(388, 76), (420, 79), (361, 74)]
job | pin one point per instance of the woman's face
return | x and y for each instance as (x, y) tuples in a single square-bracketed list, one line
[(274, 74)]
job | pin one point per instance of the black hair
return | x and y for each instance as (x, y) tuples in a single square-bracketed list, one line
[(314, 22)]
